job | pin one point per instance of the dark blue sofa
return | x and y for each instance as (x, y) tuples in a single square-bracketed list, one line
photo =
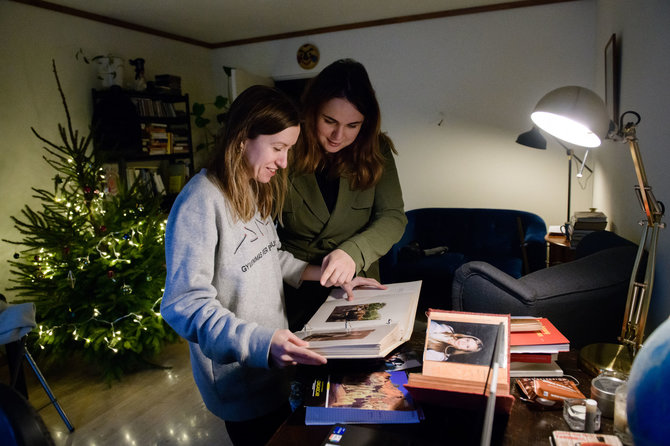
[(511, 240)]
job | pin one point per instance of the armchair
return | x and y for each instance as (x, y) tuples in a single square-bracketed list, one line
[(584, 299)]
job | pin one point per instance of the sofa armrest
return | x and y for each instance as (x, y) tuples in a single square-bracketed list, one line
[(481, 287)]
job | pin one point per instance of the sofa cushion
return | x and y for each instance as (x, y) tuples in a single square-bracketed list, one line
[(501, 237)]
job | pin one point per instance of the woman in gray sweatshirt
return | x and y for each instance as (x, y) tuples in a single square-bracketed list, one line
[(223, 290)]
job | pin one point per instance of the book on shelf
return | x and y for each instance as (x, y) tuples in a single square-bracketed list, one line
[(370, 326), (546, 340), (373, 397), (458, 358), (572, 438), (158, 183), (112, 178)]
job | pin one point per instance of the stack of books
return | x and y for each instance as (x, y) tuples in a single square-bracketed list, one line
[(168, 83), (533, 353), (585, 222)]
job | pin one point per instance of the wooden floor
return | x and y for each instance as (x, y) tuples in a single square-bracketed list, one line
[(153, 407)]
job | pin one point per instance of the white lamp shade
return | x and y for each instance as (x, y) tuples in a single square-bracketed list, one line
[(574, 114)]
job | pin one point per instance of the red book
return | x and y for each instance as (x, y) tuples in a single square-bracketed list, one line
[(537, 358), (546, 340)]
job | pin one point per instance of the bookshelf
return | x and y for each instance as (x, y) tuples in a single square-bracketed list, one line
[(142, 133)]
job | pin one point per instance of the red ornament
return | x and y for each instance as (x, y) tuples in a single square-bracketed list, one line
[(110, 273), (103, 228)]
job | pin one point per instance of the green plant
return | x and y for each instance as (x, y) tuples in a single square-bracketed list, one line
[(92, 263), (202, 122), (110, 66)]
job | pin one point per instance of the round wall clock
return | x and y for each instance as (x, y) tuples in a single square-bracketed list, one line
[(308, 56)]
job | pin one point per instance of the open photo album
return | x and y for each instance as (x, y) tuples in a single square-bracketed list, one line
[(370, 326)]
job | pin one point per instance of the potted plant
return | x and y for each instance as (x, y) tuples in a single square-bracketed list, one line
[(110, 67), (198, 110)]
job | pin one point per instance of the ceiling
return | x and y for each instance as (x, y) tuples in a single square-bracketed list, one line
[(218, 23)]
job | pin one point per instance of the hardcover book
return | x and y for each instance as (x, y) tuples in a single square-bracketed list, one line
[(458, 359), (376, 397), (570, 438), (547, 340), (524, 323), (370, 326), (535, 369), (544, 358)]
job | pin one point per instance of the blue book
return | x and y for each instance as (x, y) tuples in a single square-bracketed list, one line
[(365, 398)]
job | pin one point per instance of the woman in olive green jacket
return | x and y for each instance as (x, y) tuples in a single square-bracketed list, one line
[(344, 207)]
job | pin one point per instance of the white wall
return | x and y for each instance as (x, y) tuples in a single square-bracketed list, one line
[(30, 38), (482, 75), (479, 74), (644, 35)]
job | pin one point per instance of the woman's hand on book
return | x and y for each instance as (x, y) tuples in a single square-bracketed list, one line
[(360, 282), (337, 269), (288, 349)]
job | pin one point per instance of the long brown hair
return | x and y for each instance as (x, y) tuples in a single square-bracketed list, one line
[(362, 162), (258, 110)]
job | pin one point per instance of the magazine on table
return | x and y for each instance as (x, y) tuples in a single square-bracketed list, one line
[(371, 397)]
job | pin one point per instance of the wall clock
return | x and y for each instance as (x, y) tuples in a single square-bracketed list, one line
[(308, 56)]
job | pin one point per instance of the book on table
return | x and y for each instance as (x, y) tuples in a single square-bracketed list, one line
[(535, 369), (457, 361), (370, 397), (370, 326), (524, 323), (544, 358), (357, 435), (534, 353), (546, 340), (571, 438)]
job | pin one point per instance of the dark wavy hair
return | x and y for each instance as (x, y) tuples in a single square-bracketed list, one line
[(362, 162), (258, 110)]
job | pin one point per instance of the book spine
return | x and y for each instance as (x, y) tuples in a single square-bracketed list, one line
[(544, 358)]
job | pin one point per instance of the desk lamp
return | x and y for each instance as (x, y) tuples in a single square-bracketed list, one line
[(534, 139), (578, 115)]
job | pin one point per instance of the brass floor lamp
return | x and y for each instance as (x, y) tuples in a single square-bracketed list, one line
[(578, 115)]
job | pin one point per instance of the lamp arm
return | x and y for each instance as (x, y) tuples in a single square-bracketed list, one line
[(639, 293), (571, 153), (653, 210)]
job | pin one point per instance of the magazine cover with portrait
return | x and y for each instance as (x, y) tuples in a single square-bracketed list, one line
[(461, 342)]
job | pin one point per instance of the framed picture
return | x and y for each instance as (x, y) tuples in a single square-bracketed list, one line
[(612, 79)]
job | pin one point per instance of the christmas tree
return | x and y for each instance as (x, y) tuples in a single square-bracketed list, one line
[(92, 262)]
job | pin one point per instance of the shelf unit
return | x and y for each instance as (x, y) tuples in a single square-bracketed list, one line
[(139, 131)]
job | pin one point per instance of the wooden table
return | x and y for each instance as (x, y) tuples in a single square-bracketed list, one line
[(558, 249), (523, 426)]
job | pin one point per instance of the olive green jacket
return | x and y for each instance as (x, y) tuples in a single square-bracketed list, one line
[(364, 223)]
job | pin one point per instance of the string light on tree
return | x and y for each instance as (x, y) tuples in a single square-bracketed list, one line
[(92, 262)]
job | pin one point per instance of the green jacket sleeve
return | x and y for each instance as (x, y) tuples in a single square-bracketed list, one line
[(387, 222)]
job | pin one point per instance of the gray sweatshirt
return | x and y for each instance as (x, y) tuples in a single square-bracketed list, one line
[(224, 294)]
